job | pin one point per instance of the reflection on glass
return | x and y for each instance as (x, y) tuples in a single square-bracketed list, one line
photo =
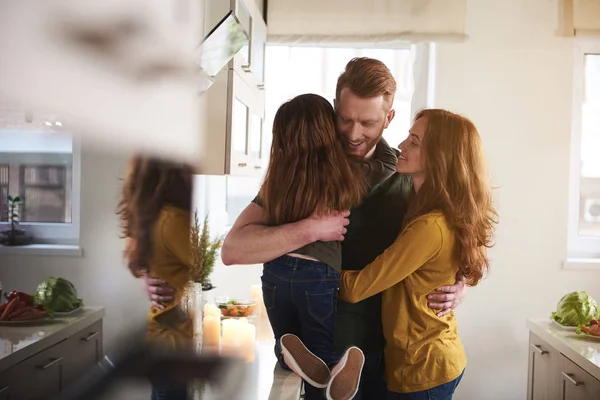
[(221, 45), (589, 216), (239, 133), (256, 136)]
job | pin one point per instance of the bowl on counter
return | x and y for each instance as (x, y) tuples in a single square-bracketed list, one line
[(236, 308)]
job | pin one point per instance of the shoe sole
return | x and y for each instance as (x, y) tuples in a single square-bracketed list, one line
[(303, 362), (345, 379)]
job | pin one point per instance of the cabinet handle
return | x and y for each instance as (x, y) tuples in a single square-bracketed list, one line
[(538, 348), (242, 164), (4, 389), (570, 378), (260, 87), (51, 363), (258, 166), (90, 336), (247, 68)]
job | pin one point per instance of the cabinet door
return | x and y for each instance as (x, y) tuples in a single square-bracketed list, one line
[(576, 383), (249, 62), (6, 381), (544, 371), (245, 128), (39, 376), (84, 350), (259, 45)]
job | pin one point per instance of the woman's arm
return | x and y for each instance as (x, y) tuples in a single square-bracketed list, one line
[(418, 244)]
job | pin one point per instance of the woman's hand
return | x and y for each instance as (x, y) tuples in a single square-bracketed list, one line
[(158, 291), (447, 298)]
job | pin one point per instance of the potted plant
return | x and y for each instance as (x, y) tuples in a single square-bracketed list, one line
[(14, 236), (204, 252)]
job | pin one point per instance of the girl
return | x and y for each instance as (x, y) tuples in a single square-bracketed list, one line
[(448, 228), (155, 217), (309, 174)]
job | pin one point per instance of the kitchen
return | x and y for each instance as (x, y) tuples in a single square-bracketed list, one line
[(512, 59)]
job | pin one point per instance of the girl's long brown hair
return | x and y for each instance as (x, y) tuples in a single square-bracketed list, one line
[(456, 183), (309, 170), (149, 185)]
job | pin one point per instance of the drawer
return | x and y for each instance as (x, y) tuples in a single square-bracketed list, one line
[(576, 383), (39, 376), (84, 350)]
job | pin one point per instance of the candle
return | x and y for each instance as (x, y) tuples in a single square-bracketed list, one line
[(256, 296), (247, 341), (211, 310), (212, 332), (231, 336), (256, 293)]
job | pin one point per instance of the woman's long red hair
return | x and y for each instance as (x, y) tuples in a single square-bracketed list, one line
[(150, 184), (456, 183)]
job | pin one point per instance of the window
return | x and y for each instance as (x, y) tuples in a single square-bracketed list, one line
[(294, 70), (584, 216), (39, 162)]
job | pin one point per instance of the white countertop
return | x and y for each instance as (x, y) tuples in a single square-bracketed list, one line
[(266, 380), (18, 342), (583, 350)]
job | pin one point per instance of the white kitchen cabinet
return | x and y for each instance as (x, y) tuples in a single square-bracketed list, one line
[(544, 364), (232, 110), (562, 364)]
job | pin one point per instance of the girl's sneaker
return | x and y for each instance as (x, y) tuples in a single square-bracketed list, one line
[(303, 362), (345, 377)]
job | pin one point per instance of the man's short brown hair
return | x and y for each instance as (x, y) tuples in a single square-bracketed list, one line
[(367, 77)]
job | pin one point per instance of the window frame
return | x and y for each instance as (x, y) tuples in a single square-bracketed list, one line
[(63, 236), (583, 252)]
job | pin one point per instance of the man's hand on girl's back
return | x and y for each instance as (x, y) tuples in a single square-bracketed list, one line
[(328, 227), (159, 293), (447, 298)]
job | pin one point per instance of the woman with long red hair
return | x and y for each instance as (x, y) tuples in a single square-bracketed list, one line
[(154, 211), (448, 228)]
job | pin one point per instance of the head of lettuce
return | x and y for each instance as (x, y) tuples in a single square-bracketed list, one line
[(575, 309), (57, 295)]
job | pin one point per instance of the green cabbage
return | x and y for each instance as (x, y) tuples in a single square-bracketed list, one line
[(575, 309), (57, 295)]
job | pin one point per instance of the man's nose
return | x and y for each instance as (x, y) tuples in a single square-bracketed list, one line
[(354, 133)]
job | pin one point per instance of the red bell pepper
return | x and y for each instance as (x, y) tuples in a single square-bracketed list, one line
[(20, 296)]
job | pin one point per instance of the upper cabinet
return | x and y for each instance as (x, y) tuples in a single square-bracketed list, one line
[(233, 108)]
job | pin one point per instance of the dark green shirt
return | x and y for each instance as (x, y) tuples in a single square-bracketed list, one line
[(374, 225)]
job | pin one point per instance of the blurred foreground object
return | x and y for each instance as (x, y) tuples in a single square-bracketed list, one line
[(134, 360), (119, 71)]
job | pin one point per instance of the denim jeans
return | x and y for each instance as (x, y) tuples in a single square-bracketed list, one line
[(441, 392), (301, 298)]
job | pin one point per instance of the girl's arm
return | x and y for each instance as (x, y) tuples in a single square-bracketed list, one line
[(417, 245)]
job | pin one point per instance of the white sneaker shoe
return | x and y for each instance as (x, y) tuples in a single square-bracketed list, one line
[(345, 377), (303, 362)]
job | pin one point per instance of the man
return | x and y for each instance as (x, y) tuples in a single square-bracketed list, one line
[(363, 104)]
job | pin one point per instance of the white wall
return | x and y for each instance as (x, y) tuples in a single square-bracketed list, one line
[(514, 79), (100, 275)]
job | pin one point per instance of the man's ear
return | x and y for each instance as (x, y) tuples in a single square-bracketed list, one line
[(389, 117)]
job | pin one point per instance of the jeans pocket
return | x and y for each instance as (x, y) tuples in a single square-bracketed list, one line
[(321, 304), (268, 295)]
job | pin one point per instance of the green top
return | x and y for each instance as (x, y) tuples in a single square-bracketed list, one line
[(376, 169)]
